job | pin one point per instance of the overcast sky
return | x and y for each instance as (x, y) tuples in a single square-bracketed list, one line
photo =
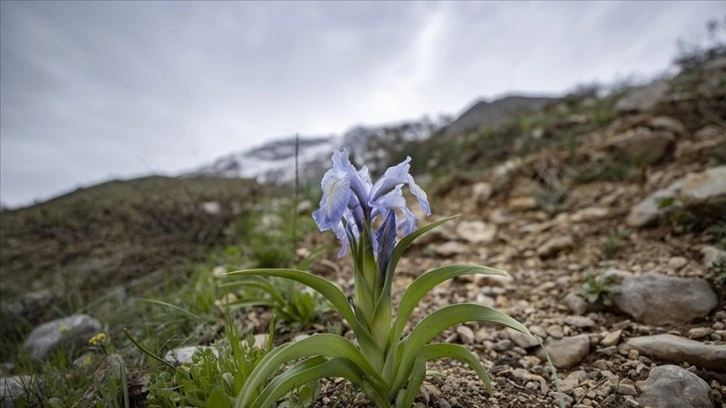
[(95, 90)]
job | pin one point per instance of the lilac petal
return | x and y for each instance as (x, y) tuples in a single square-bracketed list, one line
[(408, 224), (420, 195), (391, 200), (336, 194), (339, 231), (386, 239), (393, 176)]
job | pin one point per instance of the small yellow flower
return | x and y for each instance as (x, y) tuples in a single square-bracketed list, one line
[(97, 339), (63, 329)]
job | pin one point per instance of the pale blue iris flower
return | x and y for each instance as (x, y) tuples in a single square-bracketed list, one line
[(351, 202)]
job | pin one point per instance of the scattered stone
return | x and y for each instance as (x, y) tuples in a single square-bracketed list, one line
[(576, 304), (569, 351), (476, 231), (482, 192), (643, 98), (522, 203), (671, 386), (676, 349), (612, 338), (654, 206), (712, 256), (19, 391), (450, 248), (72, 331), (579, 321), (211, 207), (626, 387), (699, 332), (710, 132), (669, 124), (677, 262), (706, 191), (590, 214), (573, 380), (555, 330), (642, 145), (466, 334), (185, 355), (555, 245), (522, 340), (658, 299), (261, 340)]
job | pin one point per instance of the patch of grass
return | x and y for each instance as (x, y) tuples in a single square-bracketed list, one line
[(599, 287), (614, 242)]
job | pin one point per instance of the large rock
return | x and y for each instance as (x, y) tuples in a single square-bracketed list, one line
[(705, 192), (569, 351), (670, 386), (676, 349), (72, 331), (643, 98), (648, 211), (642, 145), (658, 299)]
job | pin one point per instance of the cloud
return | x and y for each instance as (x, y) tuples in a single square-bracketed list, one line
[(91, 90)]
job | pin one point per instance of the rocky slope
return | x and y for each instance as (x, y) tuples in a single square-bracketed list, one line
[(613, 229)]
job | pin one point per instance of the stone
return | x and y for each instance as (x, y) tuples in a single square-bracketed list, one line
[(705, 192), (713, 256), (669, 124), (658, 299), (185, 355), (19, 391), (573, 380), (677, 262), (522, 340), (555, 245), (555, 330), (569, 351), (612, 338), (211, 207), (590, 214), (522, 203), (576, 304), (710, 132), (671, 386), (72, 331), (699, 332), (642, 145), (476, 232), (642, 98), (649, 210), (450, 248), (482, 192), (580, 322), (466, 334), (675, 349)]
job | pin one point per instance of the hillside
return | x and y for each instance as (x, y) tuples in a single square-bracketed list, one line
[(608, 213)]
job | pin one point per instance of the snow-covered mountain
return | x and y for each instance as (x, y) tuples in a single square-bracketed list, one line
[(275, 161)]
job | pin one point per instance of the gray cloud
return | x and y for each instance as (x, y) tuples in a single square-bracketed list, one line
[(92, 90)]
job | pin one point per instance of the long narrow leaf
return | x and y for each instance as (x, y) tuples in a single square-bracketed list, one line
[(292, 371), (440, 320), (413, 388), (328, 290), (403, 245), (418, 289), (180, 310), (328, 345), (336, 367)]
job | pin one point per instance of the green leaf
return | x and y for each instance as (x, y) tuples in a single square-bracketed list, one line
[(328, 290), (328, 345), (218, 398), (336, 367), (418, 289), (413, 388), (437, 322), (402, 246), (458, 352), (241, 402)]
